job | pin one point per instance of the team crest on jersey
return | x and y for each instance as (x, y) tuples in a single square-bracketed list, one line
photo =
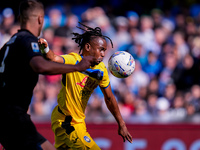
[(35, 47), (87, 139)]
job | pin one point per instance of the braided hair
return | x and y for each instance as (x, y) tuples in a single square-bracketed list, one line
[(82, 39)]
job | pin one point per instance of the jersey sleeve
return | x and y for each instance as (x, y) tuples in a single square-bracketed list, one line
[(31, 47), (70, 58), (105, 82)]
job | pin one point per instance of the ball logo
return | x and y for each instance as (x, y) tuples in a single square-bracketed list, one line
[(131, 61), (117, 66), (117, 53), (125, 74), (87, 139)]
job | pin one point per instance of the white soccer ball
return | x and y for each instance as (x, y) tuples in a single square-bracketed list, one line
[(121, 64)]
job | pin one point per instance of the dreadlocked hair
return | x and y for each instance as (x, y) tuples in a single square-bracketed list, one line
[(81, 39)]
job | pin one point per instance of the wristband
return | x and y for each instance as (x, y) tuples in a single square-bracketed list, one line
[(44, 50)]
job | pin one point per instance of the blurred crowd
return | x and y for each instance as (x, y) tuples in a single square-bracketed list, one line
[(165, 85)]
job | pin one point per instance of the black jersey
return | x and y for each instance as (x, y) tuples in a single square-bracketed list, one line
[(17, 79)]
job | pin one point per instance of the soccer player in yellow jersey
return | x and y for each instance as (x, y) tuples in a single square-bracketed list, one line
[(68, 116)]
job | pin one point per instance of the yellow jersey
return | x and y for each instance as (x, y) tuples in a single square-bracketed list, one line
[(77, 87)]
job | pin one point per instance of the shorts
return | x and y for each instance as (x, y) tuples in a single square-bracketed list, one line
[(70, 137), (17, 131)]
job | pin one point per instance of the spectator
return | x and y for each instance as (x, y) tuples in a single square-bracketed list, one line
[(50, 101), (178, 112), (139, 52), (170, 92), (141, 112), (127, 107), (163, 110), (151, 105), (36, 106), (186, 74), (181, 47), (8, 19), (153, 66), (170, 63), (122, 37), (133, 19), (146, 31), (157, 16), (138, 79)]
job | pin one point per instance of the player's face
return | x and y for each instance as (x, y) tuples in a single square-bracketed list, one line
[(98, 48)]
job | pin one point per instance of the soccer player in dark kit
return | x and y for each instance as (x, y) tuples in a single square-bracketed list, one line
[(20, 63)]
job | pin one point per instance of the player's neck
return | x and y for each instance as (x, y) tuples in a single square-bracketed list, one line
[(31, 29)]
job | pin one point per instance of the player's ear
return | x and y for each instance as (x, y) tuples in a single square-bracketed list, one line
[(40, 19), (87, 47)]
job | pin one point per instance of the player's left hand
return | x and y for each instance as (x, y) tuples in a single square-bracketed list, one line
[(43, 44), (123, 132), (85, 63)]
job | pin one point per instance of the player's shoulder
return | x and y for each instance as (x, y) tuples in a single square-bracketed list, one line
[(71, 58), (25, 33), (72, 54), (26, 36), (100, 66), (22, 37)]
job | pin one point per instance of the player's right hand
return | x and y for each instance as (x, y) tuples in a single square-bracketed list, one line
[(86, 62)]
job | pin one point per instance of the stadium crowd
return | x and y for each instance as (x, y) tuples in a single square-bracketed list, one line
[(165, 86)]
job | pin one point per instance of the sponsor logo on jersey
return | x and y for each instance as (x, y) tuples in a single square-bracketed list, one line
[(35, 47), (88, 83), (82, 83), (87, 139)]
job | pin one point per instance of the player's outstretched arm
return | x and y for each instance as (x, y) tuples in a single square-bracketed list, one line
[(48, 53), (114, 109), (43, 66)]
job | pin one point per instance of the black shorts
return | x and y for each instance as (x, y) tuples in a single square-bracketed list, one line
[(17, 131)]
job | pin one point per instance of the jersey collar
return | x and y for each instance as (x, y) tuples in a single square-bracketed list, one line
[(20, 30)]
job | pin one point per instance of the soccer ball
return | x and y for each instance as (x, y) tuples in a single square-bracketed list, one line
[(121, 64)]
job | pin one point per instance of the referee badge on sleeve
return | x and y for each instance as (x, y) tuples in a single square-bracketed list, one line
[(35, 47)]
